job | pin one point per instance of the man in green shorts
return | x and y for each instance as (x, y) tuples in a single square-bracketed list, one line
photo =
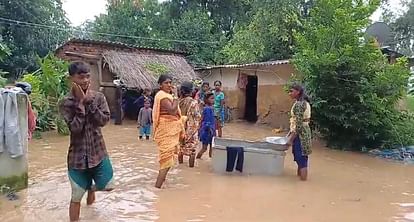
[(85, 112)]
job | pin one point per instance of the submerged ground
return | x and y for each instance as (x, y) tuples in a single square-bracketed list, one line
[(343, 186)]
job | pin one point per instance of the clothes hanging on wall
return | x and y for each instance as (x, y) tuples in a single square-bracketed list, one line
[(242, 81), (10, 132)]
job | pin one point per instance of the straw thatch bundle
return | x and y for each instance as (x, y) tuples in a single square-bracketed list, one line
[(137, 70)]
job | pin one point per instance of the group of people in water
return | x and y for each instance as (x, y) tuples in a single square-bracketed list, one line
[(180, 121)]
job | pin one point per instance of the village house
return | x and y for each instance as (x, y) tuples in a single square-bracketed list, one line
[(255, 92), (136, 67)]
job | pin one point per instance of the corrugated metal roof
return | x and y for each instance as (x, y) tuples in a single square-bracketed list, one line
[(118, 44), (268, 63)]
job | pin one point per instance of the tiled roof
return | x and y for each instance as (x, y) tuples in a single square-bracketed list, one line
[(119, 45), (268, 63)]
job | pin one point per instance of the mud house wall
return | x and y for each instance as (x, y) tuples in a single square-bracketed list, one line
[(235, 97), (94, 76), (273, 102), (109, 91)]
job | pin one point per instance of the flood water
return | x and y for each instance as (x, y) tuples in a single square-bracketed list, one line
[(343, 186)]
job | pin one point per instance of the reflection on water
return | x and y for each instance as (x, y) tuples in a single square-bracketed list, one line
[(342, 187)]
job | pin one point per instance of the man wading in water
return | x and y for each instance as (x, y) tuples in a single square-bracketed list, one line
[(85, 112)]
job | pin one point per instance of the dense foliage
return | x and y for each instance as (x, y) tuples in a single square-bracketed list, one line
[(27, 41), (410, 103), (403, 27), (353, 87), (4, 53), (269, 33), (210, 31), (49, 86)]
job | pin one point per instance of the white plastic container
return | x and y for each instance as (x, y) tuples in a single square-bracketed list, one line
[(260, 158)]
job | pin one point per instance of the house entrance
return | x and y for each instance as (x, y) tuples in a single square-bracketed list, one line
[(251, 99)]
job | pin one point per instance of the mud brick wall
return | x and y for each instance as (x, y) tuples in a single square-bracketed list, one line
[(273, 102)]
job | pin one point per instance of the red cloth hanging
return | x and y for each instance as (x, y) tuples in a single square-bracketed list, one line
[(242, 81)]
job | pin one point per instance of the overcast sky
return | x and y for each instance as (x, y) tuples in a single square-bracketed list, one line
[(78, 11)]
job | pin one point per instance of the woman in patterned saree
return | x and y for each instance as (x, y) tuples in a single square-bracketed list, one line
[(191, 116), (299, 136)]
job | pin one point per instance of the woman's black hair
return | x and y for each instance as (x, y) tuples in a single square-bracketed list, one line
[(163, 78), (205, 84), (302, 94), (217, 81), (186, 88), (208, 95)]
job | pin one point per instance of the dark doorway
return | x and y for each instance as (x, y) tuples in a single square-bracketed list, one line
[(129, 106), (250, 113)]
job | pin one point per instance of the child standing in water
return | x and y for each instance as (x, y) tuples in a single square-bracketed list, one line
[(208, 125), (145, 120)]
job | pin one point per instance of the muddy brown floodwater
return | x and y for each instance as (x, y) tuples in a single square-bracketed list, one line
[(343, 186)]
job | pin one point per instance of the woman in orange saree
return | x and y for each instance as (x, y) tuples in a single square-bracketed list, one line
[(167, 126)]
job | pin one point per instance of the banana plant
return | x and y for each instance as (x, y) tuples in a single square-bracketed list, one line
[(49, 86)]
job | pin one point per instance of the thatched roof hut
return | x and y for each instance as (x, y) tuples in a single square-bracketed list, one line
[(137, 67), (142, 70)]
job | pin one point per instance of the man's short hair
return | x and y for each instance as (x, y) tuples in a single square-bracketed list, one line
[(78, 68)]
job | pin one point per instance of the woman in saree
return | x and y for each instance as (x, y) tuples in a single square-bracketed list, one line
[(191, 117), (299, 136), (167, 126)]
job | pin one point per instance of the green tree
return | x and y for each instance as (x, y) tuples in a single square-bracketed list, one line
[(403, 28), (49, 87), (353, 88), (159, 24), (225, 13), (269, 35), (27, 41), (142, 19), (198, 27), (4, 53)]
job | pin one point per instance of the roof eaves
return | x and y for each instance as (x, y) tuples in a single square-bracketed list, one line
[(268, 63), (119, 44)]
